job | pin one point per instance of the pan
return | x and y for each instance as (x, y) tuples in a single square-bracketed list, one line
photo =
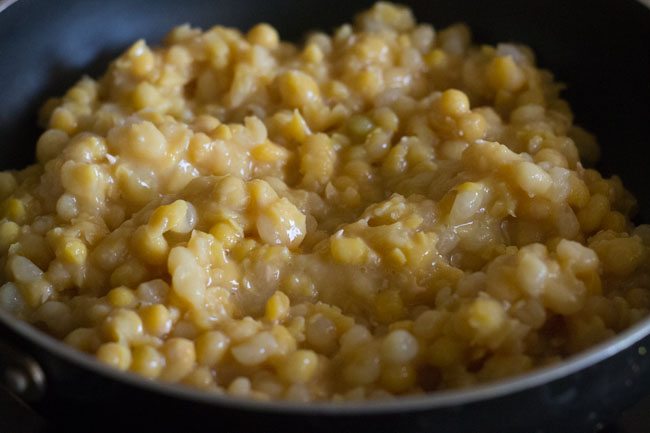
[(600, 48)]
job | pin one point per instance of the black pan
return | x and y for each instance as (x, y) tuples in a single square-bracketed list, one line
[(601, 48)]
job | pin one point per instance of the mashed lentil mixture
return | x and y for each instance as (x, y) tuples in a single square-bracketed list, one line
[(387, 210)]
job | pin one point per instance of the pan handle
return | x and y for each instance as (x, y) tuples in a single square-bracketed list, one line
[(20, 374)]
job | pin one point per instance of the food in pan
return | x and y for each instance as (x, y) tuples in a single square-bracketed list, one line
[(382, 211)]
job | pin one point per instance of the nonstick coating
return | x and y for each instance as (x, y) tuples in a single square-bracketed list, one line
[(600, 48)]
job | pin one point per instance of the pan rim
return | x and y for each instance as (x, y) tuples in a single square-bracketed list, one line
[(431, 401), (4, 4)]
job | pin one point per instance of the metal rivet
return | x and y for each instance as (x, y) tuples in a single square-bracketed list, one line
[(20, 374), (15, 381)]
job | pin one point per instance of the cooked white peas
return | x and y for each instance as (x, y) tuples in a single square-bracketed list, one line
[(383, 211)]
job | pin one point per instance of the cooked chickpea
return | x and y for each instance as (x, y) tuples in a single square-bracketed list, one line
[(298, 89), (122, 326), (50, 143), (84, 339), (156, 319), (364, 366), (147, 361), (142, 140), (240, 387), (317, 159), (150, 245), (72, 251), (353, 337), (9, 232), (255, 350), (592, 215), (114, 354), (399, 347), (398, 378), (472, 126), (620, 256), (277, 307), (211, 347), (503, 73), (180, 357), (7, 183), (486, 316), (264, 35), (282, 223), (121, 297), (299, 367), (453, 102), (531, 178), (200, 377)]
